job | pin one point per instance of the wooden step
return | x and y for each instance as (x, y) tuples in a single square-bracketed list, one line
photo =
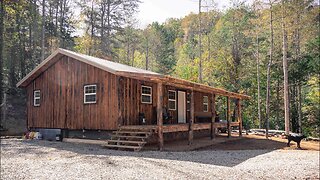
[(124, 141), (122, 146), (131, 132), (138, 137)]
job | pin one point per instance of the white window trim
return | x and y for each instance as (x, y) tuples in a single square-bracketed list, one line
[(172, 100), (86, 94), (36, 98), (207, 103), (142, 94)]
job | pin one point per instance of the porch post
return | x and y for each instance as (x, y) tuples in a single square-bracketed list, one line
[(213, 111), (228, 117), (239, 117), (191, 120), (159, 115)]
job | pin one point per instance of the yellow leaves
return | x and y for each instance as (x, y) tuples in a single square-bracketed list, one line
[(314, 94)]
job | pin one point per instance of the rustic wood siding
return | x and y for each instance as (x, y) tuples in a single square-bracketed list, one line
[(130, 102), (118, 99), (198, 107), (61, 104)]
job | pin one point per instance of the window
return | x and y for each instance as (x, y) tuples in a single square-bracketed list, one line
[(205, 103), (172, 100), (36, 98), (90, 94), (146, 94)]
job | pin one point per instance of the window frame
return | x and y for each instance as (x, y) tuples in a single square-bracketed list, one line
[(36, 98), (87, 94), (143, 94), (205, 103), (172, 100)]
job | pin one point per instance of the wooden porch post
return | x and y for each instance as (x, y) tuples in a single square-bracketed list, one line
[(213, 111), (228, 117), (159, 115), (239, 117), (191, 120)]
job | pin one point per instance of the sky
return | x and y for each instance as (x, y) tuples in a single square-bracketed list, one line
[(160, 10)]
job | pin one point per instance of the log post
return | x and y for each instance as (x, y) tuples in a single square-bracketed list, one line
[(239, 116), (228, 117), (191, 121), (160, 115), (213, 111)]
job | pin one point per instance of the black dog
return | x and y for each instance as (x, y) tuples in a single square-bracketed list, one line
[(296, 138)]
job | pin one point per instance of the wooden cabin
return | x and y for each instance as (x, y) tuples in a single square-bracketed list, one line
[(73, 91)]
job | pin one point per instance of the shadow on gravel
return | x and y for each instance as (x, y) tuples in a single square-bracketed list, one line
[(226, 154)]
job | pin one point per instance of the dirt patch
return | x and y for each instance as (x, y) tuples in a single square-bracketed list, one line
[(254, 142)]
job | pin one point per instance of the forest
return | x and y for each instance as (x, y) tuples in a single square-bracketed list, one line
[(268, 50)]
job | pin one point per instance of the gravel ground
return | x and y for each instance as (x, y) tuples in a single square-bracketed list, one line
[(27, 159)]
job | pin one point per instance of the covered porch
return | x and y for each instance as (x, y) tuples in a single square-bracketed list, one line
[(160, 128)]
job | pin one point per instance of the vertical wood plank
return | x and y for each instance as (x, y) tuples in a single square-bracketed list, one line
[(228, 117), (239, 116), (213, 111), (159, 115), (191, 121)]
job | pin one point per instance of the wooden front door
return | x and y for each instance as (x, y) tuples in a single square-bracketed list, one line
[(182, 116)]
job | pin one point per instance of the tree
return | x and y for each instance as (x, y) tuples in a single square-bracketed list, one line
[(43, 30), (2, 12), (269, 69), (285, 70), (107, 18)]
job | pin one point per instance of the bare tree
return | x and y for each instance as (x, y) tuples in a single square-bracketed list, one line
[(200, 60), (258, 65), (43, 29), (269, 69), (285, 70), (1, 49)]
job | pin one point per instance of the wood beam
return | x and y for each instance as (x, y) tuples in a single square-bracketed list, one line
[(160, 114), (213, 111), (228, 117), (191, 121), (239, 116)]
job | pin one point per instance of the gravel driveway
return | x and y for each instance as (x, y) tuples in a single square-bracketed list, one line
[(24, 159)]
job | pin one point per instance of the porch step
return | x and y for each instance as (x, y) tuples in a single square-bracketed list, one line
[(128, 136), (128, 139), (131, 132), (136, 148), (125, 141)]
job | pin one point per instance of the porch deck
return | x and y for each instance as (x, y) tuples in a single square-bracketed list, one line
[(169, 128)]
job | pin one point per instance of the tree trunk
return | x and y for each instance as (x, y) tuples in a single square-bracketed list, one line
[(108, 50), (258, 79), (103, 12), (278, 104), (285, 72), (92, 30), (62, 17), (299, 109), (42, 31), (147, 54), (133, 51), (269, 71), (1, 49), (200, 60)]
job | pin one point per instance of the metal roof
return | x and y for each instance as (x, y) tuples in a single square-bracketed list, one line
[(115, 68)]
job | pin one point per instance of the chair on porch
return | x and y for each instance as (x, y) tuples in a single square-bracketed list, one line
[(166, 116)]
